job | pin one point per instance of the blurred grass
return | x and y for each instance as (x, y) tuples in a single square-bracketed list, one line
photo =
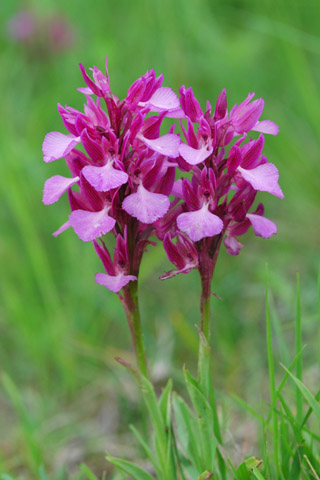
[(59, 331)]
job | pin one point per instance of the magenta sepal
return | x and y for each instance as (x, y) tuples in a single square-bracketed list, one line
[(183, 255), (190, 104)]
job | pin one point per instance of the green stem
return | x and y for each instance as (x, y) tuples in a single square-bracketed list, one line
[(131, 306), (205, 315)]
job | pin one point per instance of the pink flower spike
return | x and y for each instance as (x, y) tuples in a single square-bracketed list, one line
[(163, 99), (167, 145), (56, 145), (55, 186), (114, 283), (146, 206), (200, 223), (263, 227), (194, 156), (263, 178), (90, 225), (266, 126), (104, 178)]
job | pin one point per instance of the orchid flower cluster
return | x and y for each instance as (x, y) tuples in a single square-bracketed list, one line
[(124, 173)]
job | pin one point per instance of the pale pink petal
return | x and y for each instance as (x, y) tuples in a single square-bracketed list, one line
[(56, 145), (62, 228), (146, 206), (263, 227), (194, 156), (232, 245), (173, 273), (263, 178), (91, 225), (177, 113), (114, 283), (163, 99), (104, 178), (167, 145), (200, 224), (85, 90), (266, 126), (55, 186)]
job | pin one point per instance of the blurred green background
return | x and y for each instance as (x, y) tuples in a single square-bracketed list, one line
[(65, 400)]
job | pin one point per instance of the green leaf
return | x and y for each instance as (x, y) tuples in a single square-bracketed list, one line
[(298, 334), (145, 447), (205, 420), (253, 462), (43, 475), (165, 403), (295, 466), (206, 475), (249, 467), (28, 426), (87, 472), (242, 472), (257, 474), (137, 473), (272, 383), (247, 407), (306, 393), (187, 430)]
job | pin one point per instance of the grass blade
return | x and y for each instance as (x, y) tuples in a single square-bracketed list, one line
[(275, 429), (299, 398), (311, 400)]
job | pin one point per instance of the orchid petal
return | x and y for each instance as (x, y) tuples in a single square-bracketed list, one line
[(56, 145), (104, 178), (200, 223), (167, 145), (176, 113), (232, 245), (55, 186), (146, 206), (85, 90), (174, 273), (194, 156), (266, 126), (90, 225), (62, 228), (114, 283), (263, 178), (262, 226), (163, 99)]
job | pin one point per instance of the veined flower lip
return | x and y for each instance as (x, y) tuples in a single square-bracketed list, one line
[(200, 223)]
